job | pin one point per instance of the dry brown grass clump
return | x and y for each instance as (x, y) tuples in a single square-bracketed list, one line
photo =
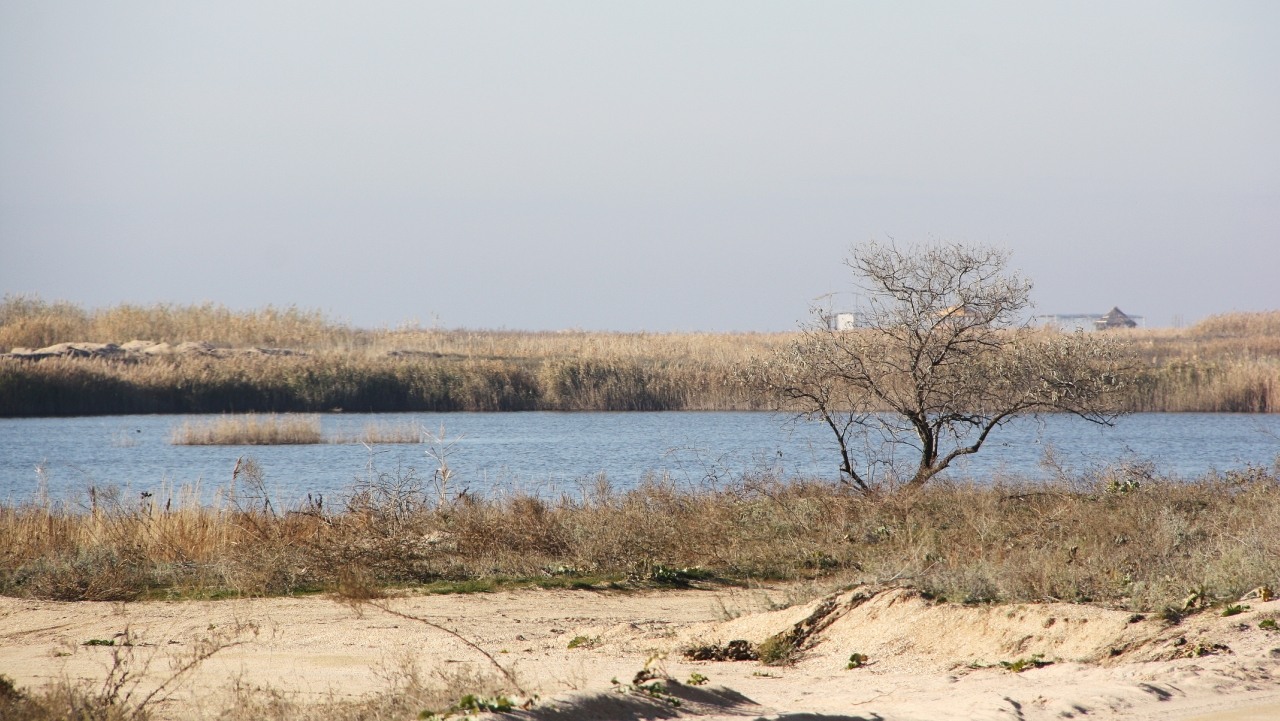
[(62, 701), (125, 693), (409, 694), (249, 430), (1119, 536), (385, 433)]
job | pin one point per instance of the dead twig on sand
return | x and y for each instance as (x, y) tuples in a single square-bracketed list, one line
[(506, 673)]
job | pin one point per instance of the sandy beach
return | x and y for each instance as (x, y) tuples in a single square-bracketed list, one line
[(920, 660)]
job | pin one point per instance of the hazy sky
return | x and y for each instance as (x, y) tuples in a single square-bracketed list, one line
[(633, 166)]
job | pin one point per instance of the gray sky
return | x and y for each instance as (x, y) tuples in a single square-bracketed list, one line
[(633, 166)]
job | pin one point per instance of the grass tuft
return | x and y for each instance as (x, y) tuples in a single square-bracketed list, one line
[(249, 430)]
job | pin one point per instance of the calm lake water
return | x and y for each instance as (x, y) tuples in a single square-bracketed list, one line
[(550, 453)]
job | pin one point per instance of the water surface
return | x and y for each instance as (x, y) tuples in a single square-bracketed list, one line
[(549, 453)]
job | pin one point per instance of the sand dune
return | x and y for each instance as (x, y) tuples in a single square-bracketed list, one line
[(921, 660)]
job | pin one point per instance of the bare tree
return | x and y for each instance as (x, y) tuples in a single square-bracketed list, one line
[(938, 361)]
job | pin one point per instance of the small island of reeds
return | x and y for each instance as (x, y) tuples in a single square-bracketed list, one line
[(269, 429)]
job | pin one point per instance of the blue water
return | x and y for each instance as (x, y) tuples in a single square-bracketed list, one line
[(551, 453)]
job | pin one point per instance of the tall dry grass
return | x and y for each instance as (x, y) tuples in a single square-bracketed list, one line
[(251, 429), (1231, 384), (1117, 536), (34, 323), (385, 433), (287, 429), (1226, 363), (354, 383)]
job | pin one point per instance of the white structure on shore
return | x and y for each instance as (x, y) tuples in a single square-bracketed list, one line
[(842, 321)]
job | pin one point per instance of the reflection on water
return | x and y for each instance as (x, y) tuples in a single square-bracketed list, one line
[(552, 453)]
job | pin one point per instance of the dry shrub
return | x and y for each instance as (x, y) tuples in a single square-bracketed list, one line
[(61, 701), (89, 574), (409, 694), (520, 535), (1119, 535), (131, 688), (1105, 539)]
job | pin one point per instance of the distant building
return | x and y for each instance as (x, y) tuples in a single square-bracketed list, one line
[(843, 321), (1114, 318)]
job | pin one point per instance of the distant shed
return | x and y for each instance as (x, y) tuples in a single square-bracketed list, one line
[(1114, 318), (843, 320)]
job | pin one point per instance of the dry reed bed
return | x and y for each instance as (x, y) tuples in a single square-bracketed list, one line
[(323, 383), (31, 322), (252, 429), (286, 429), (1226, 363), (1112, 537), (384, 433), (309, 384)]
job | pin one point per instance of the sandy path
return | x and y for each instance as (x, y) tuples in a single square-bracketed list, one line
[(926, 661)]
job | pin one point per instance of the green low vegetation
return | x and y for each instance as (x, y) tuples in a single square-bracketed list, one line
[(1025, 664)]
